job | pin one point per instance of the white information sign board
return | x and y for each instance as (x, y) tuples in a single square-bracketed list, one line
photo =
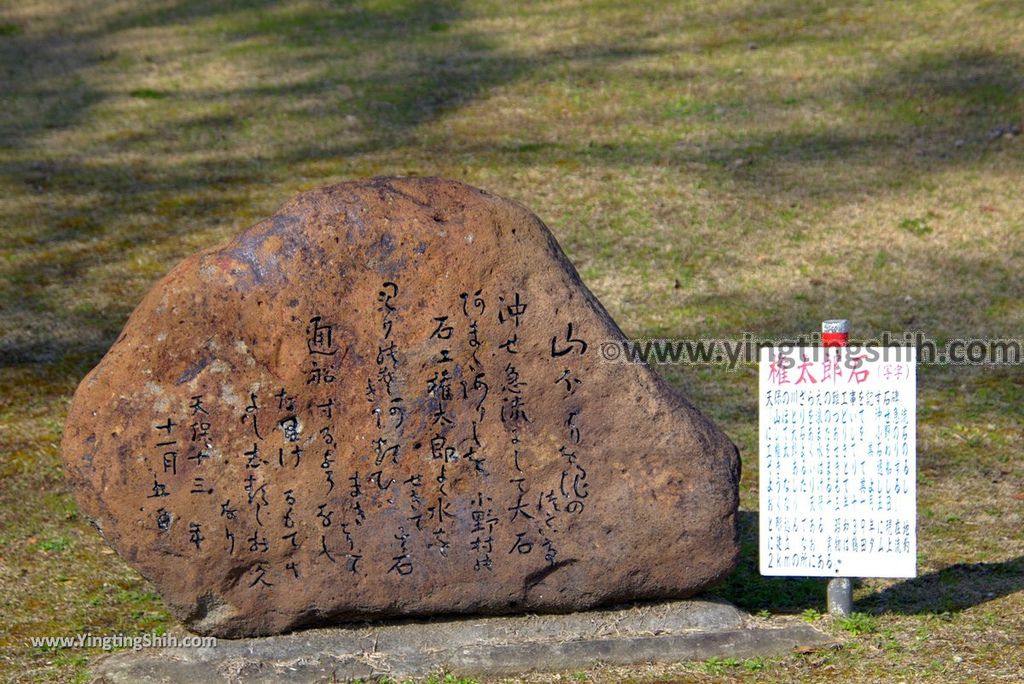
[(837, 453)]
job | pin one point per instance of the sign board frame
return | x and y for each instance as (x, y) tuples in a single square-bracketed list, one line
[(837, 461)]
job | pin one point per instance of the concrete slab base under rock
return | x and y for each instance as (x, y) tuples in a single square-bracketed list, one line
[(665, 631)]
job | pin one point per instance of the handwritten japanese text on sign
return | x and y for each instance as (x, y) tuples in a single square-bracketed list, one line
[(837, 462)]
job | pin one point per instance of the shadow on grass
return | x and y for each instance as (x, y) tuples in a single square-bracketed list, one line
[(96, 200), (406, 64), (754, 592), (901, 125), (951, 589)]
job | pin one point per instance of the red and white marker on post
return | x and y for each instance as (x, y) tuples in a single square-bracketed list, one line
[(836, 333)]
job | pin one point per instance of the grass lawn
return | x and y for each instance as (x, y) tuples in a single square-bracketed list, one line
[(710, 167)]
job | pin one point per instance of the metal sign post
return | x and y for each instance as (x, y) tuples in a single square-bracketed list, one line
[(836, 333)]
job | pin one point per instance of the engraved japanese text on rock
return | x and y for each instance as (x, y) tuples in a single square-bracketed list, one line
[(389, 399)]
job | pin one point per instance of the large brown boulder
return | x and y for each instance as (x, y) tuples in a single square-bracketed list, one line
[(389, 399)]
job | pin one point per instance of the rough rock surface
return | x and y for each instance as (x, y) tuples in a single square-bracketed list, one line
[(388, 399)]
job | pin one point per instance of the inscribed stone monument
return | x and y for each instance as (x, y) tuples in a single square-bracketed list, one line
[(388, 399)]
